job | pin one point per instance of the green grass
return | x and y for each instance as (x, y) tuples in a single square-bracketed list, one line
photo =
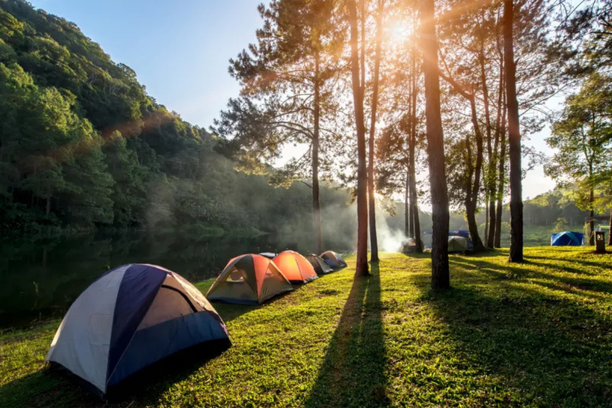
[(536, 334)]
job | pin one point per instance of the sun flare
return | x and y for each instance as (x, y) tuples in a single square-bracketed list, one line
[(398, 32)]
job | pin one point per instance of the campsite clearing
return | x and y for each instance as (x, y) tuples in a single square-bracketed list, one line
[(536, 334)]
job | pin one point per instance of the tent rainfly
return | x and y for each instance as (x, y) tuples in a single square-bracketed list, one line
[(457, 244), (249, 280), (334, 260), (295, 267), (129, 318), (319, 264), (567, 238)]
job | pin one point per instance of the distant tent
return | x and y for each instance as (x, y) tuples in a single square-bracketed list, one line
[(269, 255), (295, 267), (408, 246), (319, 264), (462, 233), (567, 238), (333, 259), (130, 318), (249, 279), (427, 238), (457, 244)]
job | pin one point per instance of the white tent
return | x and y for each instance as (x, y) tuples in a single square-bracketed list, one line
[(129, 318)]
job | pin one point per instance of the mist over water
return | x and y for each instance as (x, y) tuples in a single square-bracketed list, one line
[(42, 278)]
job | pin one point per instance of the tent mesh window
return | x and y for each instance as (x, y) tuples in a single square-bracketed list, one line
[(236, 276)]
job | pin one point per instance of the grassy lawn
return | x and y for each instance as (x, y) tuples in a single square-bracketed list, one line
[(538, 334)]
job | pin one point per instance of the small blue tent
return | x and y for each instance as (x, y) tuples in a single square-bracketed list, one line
[(334, 260), (130, 318), (567, 238)]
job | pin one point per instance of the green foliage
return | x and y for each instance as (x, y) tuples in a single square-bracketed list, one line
[(522, 335), (83, 146), (583, 142), (561, 225)]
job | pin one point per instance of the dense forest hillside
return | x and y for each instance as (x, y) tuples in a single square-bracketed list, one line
[(82, 146)]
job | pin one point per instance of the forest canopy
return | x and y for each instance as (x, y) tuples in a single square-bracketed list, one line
[(83, 146)]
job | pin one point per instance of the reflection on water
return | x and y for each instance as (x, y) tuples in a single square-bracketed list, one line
[(41, 279)]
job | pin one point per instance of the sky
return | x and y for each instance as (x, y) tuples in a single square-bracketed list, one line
[(180, 51)]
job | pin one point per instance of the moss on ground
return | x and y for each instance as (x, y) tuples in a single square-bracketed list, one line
[(535, 334)]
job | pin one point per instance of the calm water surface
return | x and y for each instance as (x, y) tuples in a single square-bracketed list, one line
[(41, 279)]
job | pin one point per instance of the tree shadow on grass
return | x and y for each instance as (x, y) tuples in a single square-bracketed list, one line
[(508, 271), (528, 347), (353, 370), (577, 258)]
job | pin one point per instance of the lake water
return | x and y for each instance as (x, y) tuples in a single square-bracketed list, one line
[(41, 279)]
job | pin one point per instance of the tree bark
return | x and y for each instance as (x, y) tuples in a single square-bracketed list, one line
[(472, 188), (414, 202), (502, 177), (514, 136), (495, 160), (610, 230), (407, 209), (486, 202), (372, 198), (440, 277), (362, 209), (316, 204), (471, 212), (490, 176), (591, 214), (470, 202), (362, 18)]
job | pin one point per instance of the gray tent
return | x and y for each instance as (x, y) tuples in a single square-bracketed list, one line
[(319, 265), (457, 244)]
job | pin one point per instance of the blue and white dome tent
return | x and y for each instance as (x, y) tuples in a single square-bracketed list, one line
[(129, 318), (567, 238)]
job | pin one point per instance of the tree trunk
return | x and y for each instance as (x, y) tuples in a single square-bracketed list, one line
[(417, 227), (490, 176), (407, 209), (410, 221), (502, 178), (471, 213), (591, 214), (412, 189), (48, 206), (316, 204), (372, 198), (362, 15), (473, 188), (362, 198), (440, 277), (610, 230), (492, 242), (514, 136), (486, 202), (492, 215), (414, 202)]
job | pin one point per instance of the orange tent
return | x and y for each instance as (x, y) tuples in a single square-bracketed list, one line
[(295, 267), (249, 279)]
